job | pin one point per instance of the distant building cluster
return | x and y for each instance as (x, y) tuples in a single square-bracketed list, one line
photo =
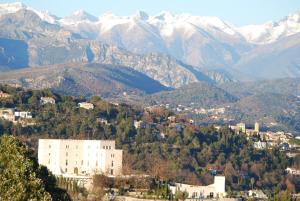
[(10, 114), (267, 139)]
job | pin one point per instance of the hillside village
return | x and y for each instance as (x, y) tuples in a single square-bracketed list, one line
[(158, 132)]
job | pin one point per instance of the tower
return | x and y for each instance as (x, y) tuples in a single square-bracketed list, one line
[(256, 127)]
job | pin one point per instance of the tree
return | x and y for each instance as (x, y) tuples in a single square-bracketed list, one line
[(252, 181), (18, 179), (21, 178), (179, 195)]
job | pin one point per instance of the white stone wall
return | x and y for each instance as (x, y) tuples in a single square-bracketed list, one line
[(217, 189), (80, 157)]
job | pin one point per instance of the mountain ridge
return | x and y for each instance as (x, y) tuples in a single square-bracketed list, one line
[(175, 50)]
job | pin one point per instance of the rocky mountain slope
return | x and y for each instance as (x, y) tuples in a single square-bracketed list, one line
[(85, 79), (40, 43)]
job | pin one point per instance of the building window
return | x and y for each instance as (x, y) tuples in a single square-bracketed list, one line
[(112, 172), (109, 147), (49, 161), (67, 146), (112, 164), (49, 146), (103, 147), (66, 170), (66, 153), (66, 162), (49, 154)]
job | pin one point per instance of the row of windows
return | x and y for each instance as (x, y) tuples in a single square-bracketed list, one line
[(68, 146), (67, 154), (76, 171), (88, 163)]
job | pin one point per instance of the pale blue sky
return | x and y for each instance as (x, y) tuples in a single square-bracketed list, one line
[(238, 12)]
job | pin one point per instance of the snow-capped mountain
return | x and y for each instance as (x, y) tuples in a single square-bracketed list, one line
[(272, 31), (78, 17), (15, 7), (188, 38), (201, 43)]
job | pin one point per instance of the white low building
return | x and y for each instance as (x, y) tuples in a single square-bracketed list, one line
[(7, 114), (260, 145), (215, 190), (257, 194), (24, 115), (80, 157), (292, 171), (47, 100), (85, 105)]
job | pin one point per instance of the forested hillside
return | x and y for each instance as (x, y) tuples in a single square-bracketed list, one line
[(179, 151)]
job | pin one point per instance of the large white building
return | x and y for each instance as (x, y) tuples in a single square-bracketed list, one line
[(80, 157), (215, 190)]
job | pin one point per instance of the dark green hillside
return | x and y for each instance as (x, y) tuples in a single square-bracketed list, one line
[(282, 86), (201, 94)]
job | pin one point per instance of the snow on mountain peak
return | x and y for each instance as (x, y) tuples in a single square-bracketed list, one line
[(141, 15), (166, 23), (78, 17), (272, 31), (164, 16), (11, 7), (8, 8), (294, 17)]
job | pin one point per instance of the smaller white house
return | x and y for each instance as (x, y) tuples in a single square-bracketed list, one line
[(139, 124), (215, 190), (46, 100), (257, 194), (103, 121), (260, 145), (86, 105), (24, 115), (4, 95), (7, 114), (292, 171), (172, 118)]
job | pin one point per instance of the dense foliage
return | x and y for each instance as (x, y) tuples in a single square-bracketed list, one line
[(20, 176), (171, 151)]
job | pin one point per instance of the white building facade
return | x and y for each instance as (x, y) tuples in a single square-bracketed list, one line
[(80, 157), (215, 190)]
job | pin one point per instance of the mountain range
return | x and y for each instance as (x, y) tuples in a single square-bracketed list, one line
[(174, 50), (164, 58)]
